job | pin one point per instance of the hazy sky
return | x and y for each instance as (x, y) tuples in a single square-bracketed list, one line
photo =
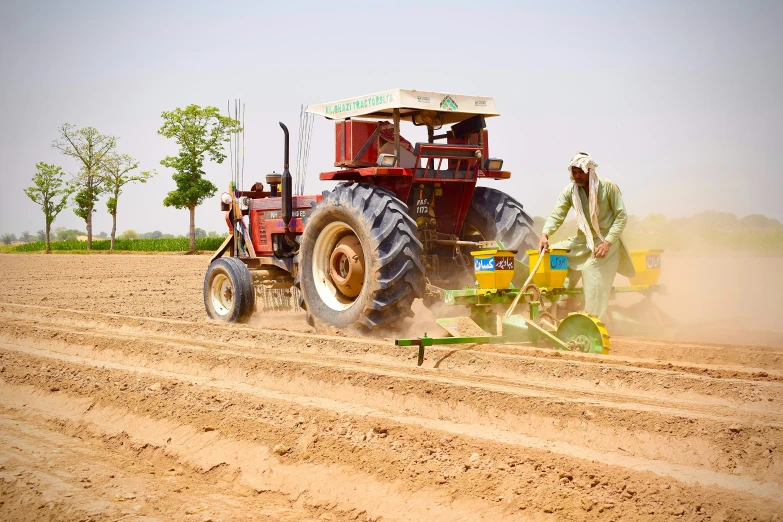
[(680, 103)]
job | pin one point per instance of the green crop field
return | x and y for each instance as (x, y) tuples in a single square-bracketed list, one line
[(177, 244)]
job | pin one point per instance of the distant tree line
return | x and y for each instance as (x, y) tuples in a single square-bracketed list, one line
[(200, 132), (157, 234), (63, 234), (708, 231), (102, 170)]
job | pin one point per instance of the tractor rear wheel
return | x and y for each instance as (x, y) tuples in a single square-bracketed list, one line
[(496, 216), (358, 261), (229, 294)]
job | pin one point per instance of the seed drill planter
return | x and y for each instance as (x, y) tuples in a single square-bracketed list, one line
[(579, 331)]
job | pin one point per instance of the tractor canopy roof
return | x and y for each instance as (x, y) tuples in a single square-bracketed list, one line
[(420, 107)]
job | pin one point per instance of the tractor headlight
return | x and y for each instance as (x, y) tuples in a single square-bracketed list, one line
[(225, 201), (494, 164), (386, 160)]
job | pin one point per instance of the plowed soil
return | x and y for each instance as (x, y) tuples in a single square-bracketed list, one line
[(119, 400)]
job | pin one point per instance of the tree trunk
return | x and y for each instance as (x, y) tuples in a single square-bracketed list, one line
[(113, 228), (48, 246), (192, 229), (114, 217), (89, 228)]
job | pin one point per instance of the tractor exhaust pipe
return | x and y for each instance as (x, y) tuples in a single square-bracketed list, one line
[(286, 196)]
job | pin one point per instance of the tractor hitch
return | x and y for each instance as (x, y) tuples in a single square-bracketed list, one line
[(425, 341)]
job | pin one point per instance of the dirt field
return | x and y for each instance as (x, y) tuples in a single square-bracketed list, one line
[(119, 400)]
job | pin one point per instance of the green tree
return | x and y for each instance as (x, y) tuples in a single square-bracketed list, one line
[(757, 221), (129, 234), (50, 191), (199, 132), (90, 148), (117, 173), (25, 237), (68, 235), (7, 239), (41, 235)]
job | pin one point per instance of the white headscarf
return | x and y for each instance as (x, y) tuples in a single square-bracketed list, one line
[(588, 165)]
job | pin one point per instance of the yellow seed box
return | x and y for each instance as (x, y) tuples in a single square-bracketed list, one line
[(553, 270), (493, 268), (647, 264)]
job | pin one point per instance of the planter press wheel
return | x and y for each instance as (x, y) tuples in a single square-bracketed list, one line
[(584, 333)]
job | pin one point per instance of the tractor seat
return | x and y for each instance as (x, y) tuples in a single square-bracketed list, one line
[(407, 158)]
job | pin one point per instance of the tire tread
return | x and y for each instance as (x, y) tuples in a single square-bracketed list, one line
[(400, 274)]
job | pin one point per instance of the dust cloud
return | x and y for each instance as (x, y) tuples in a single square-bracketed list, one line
[(728, 298), (423, 320), (717, 298)]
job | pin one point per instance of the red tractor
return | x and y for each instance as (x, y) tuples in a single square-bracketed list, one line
[(400, 222)]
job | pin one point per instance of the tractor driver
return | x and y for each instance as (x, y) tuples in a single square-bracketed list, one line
[(597, 251)]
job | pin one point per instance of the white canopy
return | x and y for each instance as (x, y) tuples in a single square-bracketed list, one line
[(418, 106)]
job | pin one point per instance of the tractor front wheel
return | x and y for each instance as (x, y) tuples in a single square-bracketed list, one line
[(229, 294), (358, 261)]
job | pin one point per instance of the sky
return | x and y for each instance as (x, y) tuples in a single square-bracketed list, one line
[(679, 102)]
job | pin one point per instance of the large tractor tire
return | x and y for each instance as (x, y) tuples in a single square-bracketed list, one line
[(496, 216), (229, 294), (358, 261)]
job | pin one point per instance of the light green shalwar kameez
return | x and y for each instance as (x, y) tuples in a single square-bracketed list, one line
[(598, 273)]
